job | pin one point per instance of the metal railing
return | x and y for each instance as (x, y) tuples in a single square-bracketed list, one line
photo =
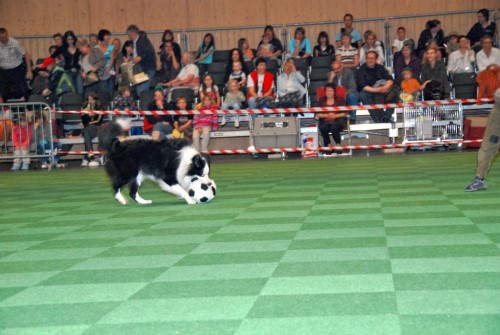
[(25, 129)]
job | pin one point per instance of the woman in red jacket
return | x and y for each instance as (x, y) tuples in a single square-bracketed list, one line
[(260, 86)]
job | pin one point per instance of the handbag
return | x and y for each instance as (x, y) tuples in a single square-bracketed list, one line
[(91, 78), (135, 74)]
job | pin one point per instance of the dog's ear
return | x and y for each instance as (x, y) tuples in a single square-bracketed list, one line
[(199, 161), (207, 158)]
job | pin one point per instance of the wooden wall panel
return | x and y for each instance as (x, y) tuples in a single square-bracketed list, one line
[(45, 17), (225, 13)]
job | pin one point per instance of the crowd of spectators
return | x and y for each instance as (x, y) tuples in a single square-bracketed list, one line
[(267, 76)]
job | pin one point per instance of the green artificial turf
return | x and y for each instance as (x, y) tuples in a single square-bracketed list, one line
[(364, 245)]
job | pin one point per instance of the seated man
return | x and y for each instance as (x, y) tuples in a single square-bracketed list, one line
[(260, 86), (376, 86), (344, 77), (488, 55)]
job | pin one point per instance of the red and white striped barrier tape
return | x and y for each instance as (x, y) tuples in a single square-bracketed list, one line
[(283, 110), (289, 150)]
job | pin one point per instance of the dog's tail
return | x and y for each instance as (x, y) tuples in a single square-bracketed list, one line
[(109, 135)]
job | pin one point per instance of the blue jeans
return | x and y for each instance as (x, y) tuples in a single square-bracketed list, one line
[(43, 147), (77, 80), (352, 100)]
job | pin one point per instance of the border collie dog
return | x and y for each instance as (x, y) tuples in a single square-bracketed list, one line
[(169, 163)]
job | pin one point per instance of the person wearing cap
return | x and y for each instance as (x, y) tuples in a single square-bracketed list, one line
[(15, 66), (59, 80)]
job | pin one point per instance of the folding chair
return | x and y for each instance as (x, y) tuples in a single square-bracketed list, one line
[(464, 85), (321, 62), (221, 56)]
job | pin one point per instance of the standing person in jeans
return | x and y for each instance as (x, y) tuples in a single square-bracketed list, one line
[(491, 140), (144, 54)]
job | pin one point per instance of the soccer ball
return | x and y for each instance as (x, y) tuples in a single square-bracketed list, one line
[(202, 189)]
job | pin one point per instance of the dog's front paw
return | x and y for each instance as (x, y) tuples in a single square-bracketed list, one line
[(142, 201), (190, 201), (120, 198)]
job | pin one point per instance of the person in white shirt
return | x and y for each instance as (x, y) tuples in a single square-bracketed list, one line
[(397, 45), (488, 55), (462, 60)]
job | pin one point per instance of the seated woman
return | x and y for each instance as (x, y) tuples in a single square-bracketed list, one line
[(300, 45), (323, 48), (260, 86), (188, 77), (167, 63), (406, 60), (434, 70), (290, 86), (347, 54), (276, 43), (205, 53), (370, 45), (333, 122), (158, 127)]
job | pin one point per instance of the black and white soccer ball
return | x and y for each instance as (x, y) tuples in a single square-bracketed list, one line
[(202, 189)]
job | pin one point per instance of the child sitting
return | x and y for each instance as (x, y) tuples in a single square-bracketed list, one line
[(21, 138), (44, 137), (245, 49), (183, 124), (266, 45), (124, 100), (233, 99), (410, 86), (239, 75), (204, 124)]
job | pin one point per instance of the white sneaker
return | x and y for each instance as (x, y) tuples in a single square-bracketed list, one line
[(237, 122), (45, 166), (60, 165), (94, 163), (85, 163), (223, 122)]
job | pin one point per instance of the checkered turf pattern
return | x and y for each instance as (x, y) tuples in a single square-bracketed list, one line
[(370, 245)]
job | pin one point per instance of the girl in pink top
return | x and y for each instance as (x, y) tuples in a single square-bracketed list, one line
[(204, 124)]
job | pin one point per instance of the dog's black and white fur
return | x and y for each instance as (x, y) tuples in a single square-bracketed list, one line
[(169, 163)]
